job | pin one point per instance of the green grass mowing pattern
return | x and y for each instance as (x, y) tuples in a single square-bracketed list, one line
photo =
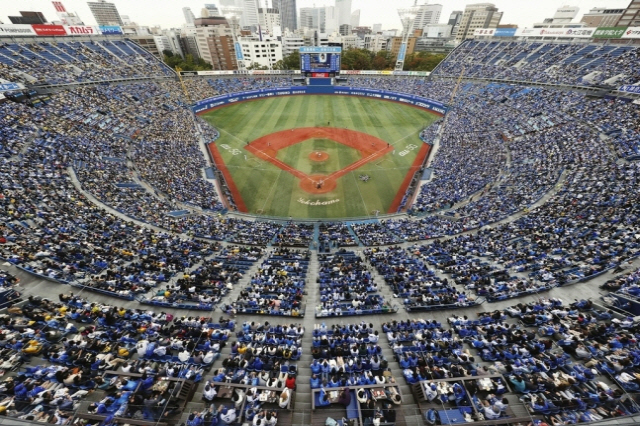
[(268, 190)]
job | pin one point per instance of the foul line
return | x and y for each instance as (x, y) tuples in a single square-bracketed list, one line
[(366, 209), (273, 187)]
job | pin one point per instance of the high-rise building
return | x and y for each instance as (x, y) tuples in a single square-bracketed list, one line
[(455, 18), (602, 17), (563, 18), (269, 20), (428, 14), (343, 9), (288, 13), (631, 16), (331, 19), (345, 30), (212, 9), (565, 14), (454, 21), (264, 53), (249, 13), (105, 13), (215, 43), (189, 17), (355, 18), (291, 43), (189, 39), (66, 18), (376, 28), (313, 17), (475, 16)]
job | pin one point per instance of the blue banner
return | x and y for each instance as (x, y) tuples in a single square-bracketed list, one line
[(110, 29), (416, 101), (402, 52), (239, 55), (505, 32), (9, 86), (630, 89)]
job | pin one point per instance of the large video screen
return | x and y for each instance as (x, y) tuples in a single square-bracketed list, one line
[(318, 60)]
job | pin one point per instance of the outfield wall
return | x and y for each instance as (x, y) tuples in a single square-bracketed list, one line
[(416, 101)]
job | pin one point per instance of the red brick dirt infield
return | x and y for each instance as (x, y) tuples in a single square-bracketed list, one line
[(370, 148), (318, 156)]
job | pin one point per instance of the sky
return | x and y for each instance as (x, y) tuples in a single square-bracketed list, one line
[(168, 13)]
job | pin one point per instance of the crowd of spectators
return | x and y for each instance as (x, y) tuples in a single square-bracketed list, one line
[(347, 287), (80, 340), (411, 279), (535, 61), (277, 287), (73, 62)]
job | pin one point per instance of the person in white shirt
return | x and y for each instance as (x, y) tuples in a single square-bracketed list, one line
[(208, 358), (209, 392), (183, 355), (227, 415)]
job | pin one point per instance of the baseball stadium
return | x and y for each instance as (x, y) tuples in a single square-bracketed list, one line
[(320, 246)]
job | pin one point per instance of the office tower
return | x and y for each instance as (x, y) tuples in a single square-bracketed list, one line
[(105, 13), (428, 14), (355, 18), (343, 10), (189, 17), (288, 13), (479, 15)]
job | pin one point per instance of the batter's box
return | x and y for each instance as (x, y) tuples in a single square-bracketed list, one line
[(385, 163), (256, 162)]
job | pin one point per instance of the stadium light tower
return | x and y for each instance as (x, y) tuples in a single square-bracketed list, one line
[(407, 16), (233, 15)]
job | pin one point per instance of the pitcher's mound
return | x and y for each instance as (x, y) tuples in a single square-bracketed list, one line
[(318, 156)]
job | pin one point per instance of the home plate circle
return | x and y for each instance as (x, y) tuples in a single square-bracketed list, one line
[(318, 184)]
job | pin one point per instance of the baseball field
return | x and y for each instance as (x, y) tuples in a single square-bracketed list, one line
[(318, 156)]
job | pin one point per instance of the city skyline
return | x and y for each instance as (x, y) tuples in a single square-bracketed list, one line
[(168, 13)]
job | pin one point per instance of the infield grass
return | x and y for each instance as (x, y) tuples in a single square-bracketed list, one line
[(270, 191)]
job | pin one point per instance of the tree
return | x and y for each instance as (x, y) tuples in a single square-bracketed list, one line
[(257, 66), (356, 59), (422, 61), (289, 62), (382, 61), (186, 64)]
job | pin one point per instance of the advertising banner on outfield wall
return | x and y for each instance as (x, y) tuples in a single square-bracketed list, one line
[(81, 30), (16, 30), (505, 32), (632, 32), (110, 29), (556, 32), (484, 32), (630, 89), (10, 86), (609, 32), (49, 30), (416, 101)]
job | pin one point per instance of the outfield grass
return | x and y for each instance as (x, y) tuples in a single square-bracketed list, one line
[(268, 190)]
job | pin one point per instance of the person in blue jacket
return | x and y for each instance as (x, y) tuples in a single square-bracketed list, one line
[(315, 382), (323, 400)]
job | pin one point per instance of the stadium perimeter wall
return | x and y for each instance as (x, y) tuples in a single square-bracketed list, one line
[(205, 105)]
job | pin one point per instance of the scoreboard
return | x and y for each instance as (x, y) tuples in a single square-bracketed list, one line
[(320, 61)]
